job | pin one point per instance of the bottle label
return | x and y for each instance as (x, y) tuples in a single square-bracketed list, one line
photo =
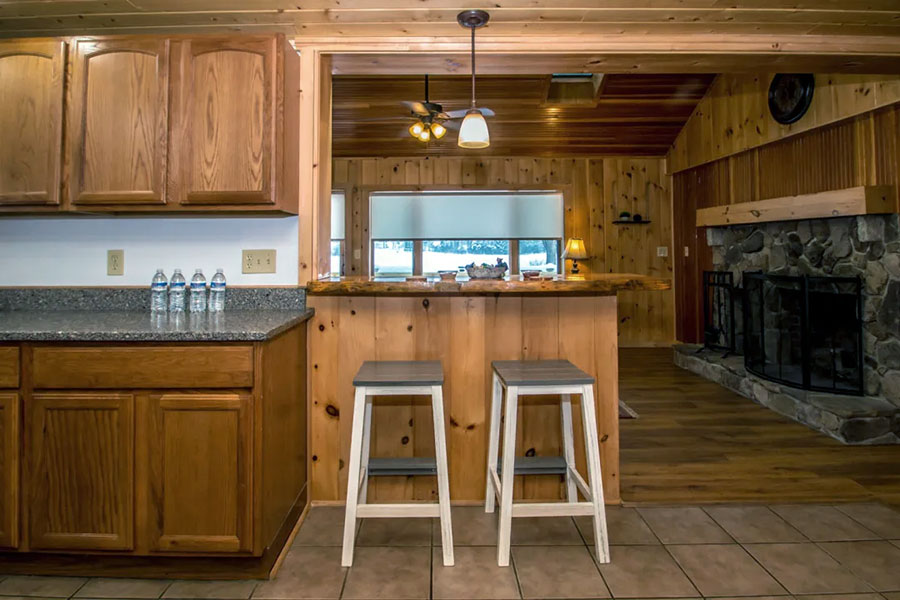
[(177, 284), (196, 285), (217, 285), (160, 285)]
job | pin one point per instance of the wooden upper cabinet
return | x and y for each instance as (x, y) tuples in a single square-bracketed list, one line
[(117, 119), (9, 470), (80, 452), (31, 106), (229, 146), (199, 452)]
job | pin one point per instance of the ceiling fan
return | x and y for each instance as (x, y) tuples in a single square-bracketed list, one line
[(432, 120)]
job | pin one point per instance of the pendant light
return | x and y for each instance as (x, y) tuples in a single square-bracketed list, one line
[(474, 130)]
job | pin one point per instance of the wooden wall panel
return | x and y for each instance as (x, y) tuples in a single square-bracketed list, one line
[(734, 115), (596, 190), (465, 334)]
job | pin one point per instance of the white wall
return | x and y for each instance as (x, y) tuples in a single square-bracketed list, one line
[(71, 250)]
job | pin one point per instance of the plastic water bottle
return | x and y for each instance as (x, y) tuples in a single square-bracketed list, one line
[(198, 292), (217, 291), (176, 292), (159, 290)]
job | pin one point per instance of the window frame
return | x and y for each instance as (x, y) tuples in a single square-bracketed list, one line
[(345, 190), (367, 192)]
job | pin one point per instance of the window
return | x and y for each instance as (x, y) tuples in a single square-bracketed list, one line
[(539, 255), (338, 218), (392, 257), (426, 232)]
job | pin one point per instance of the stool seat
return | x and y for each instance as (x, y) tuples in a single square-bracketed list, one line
[(540, 372), (399, 373)]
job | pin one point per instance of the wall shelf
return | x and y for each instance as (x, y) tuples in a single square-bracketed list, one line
[(862, 200), (629, 222)]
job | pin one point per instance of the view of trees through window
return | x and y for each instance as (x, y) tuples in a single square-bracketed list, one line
[(396, 257)]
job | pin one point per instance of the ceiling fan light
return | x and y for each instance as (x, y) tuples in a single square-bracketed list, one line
[(425, 135), (416, 129), (438, 130), (474, 131)]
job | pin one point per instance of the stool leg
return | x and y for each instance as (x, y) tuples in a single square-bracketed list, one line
[(440, 450), (490, 497), (356, 435), (592, 449), (507, 476), (565, 407), (366, 448)]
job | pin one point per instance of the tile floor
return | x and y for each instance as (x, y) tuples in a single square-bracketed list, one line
[(726, 552)]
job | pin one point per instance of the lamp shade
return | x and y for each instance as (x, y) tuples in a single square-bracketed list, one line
[(575, 249), (474, 131)]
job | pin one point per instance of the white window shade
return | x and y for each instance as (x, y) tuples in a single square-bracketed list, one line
[(337, 215), (466, 215)]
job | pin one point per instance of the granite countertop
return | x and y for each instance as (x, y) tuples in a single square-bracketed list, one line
[(141, 326), (596, 284)]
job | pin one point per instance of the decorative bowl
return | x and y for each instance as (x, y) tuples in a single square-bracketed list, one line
[(447, 275), (478, 272), (531, 274)]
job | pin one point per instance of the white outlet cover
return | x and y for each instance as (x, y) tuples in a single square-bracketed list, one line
[(662, 251)]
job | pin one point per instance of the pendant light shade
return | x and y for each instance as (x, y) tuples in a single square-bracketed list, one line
[(474, 131)]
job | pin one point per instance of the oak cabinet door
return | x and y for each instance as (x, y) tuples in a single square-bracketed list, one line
[(31, 105), (223, 120), (117, 121), (9, 470), (199, 467), (81, 471)]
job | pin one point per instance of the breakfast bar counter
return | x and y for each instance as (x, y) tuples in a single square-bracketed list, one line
[(601, 283), (465, 324)]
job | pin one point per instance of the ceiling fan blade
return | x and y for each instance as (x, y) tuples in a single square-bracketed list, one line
[(416, 107), (452, 125), (486, 111)]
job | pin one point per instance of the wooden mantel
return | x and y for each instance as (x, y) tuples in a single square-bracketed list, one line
[(862, 200)]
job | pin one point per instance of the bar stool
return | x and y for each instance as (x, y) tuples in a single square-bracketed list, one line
[(544, 377), (396, 378)]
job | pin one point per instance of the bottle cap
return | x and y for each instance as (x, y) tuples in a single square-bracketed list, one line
[(159, 271), (220, 270), (177, 271), (198, 270)]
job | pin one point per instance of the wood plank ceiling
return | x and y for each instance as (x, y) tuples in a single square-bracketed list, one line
[(323, 18), (637, 115)]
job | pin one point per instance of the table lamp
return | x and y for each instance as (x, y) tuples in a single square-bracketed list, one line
[(576, 251)]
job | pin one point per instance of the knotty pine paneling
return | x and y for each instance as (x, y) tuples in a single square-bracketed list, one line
[(466, 333), (734, 115), (596, 191)]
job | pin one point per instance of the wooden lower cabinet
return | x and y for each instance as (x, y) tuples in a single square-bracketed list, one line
[(199, 449), (9, 469), (80, 449)]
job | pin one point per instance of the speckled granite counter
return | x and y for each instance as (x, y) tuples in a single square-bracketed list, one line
[(123, 315), (134, 326)]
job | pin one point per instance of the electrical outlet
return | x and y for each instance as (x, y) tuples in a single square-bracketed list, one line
[(356, 253), (115, 262), (662, 250), (258, 261), (687, 251)]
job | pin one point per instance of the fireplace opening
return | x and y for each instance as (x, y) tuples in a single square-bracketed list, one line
[(804, 331)]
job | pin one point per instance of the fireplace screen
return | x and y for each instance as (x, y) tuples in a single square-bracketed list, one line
[(804, 331)]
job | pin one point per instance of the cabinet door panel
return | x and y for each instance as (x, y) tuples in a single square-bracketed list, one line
[(9, 470), (199, 454), (81, 478), (31, 95), (224, 123), (118, 119)]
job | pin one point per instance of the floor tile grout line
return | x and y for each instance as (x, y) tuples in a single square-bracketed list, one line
[(767, 507), (680, 568), (837, 507), (848, 567), (512, 565)]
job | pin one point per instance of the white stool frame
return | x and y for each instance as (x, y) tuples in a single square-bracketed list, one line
[(358, 475), (502, 488)]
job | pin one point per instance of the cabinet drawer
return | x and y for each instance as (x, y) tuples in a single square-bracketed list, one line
[(181, 366), (9, 366)]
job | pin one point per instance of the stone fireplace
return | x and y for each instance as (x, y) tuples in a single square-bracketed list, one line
[(867, 247)]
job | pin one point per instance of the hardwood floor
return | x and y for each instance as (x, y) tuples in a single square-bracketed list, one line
[(698, 442)]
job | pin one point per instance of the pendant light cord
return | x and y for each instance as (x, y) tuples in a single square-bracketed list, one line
[(473, 67)]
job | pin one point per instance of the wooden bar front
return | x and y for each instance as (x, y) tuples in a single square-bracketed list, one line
[(465, 332)]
